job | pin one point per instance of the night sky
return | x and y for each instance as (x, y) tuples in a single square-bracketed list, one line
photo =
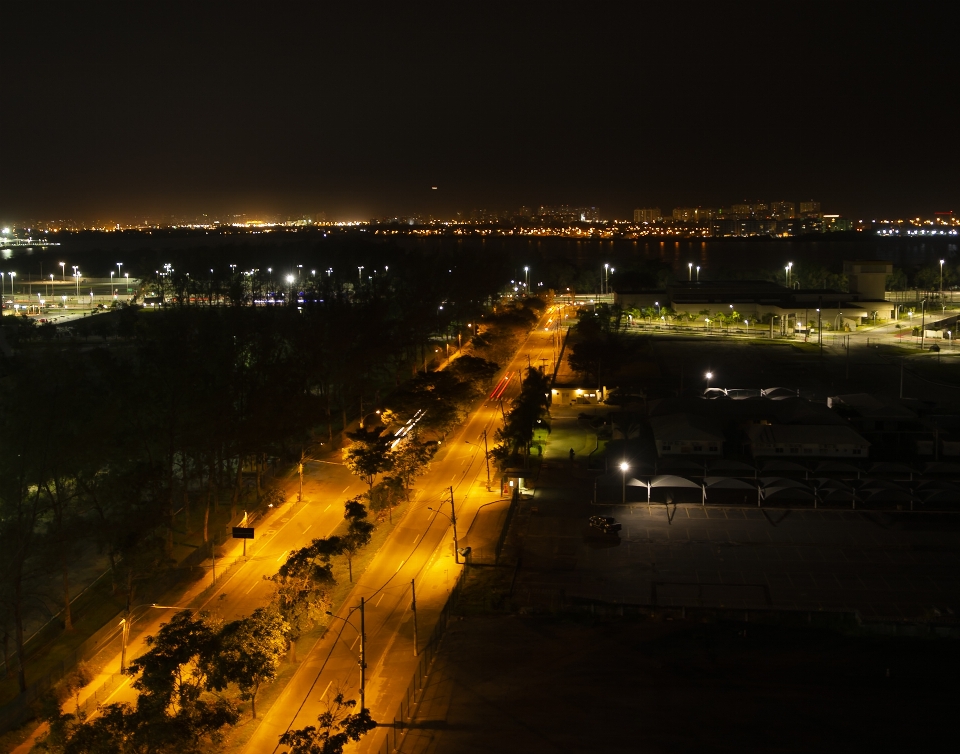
[(119, 111)]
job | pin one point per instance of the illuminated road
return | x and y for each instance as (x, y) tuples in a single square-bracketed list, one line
[(420, 548)]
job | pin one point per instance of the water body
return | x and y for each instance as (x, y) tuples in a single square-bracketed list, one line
[(717, 258)]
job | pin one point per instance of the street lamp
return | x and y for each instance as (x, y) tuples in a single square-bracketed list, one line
[(126, 276), (526, 272), (63, 272), (709, 376), (941, 278), (12, 276), (111, 282), (698, 273), (363, 652), (923, 320), (690, 272), (119, 265), (453, 520), (486, 455), (125, 624), (623, 468)]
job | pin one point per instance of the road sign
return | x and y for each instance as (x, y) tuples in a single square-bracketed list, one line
[(243, 532)]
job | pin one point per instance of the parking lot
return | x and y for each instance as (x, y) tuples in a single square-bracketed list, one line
[(896, 565)]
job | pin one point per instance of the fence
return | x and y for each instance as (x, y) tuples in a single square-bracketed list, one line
[(514, 503), (20, 710), (414, 692), (17, 712)]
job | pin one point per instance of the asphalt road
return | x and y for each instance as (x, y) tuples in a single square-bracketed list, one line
[(420, 549)]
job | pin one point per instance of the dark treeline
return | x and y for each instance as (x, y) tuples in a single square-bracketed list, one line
[(103, 442)]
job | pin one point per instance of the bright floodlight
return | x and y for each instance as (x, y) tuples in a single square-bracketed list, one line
[(709, 375), (624, 466), (290, 278)]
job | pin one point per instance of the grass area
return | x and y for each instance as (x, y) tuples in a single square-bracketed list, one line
[(485, 592)]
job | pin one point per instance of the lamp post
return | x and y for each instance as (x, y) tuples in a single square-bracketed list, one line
[(698, 273), (453, 520), (941, 278), (127, 621), (709, 376), (363, 651), (126, 277), (111, 282), (923, 321), (486, 455), (623, 468), (526, 272), (63, 271), (690, 272)]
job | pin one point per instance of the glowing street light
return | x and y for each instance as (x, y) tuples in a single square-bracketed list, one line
[(690, 272), (624, 466), (63, 272), (709, 376), (941, 278)]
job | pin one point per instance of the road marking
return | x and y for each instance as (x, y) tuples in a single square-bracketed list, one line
[(282, 555), (380, 600), (307, 529), (327, 508), (416, 538), (345, 489), (326, 690), (401, 565), (354, 642), (255, 585)]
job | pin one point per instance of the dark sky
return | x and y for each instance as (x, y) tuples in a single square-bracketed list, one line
[(111, 111)]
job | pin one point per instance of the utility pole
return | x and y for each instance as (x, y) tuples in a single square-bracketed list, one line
[(413, 605), (923, 321), (363, 661), (486, 457), (125, 624), (453, 520), (300, 472)]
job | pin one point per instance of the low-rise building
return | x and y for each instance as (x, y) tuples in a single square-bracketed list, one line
[(687, 434), (806, 440)]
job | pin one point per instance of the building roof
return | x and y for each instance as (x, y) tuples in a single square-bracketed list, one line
[(805, 434), (870, 406), (685, 427)]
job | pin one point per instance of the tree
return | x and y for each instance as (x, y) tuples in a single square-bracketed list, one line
[(301, 585), (411, 459), (250, 652), (359, 531), (368, 454), (173, 714), (337, 727)]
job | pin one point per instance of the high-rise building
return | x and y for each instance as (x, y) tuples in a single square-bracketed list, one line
[(782, 210), (810, 209), (754, 209), (693, 214), (651, 215)]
